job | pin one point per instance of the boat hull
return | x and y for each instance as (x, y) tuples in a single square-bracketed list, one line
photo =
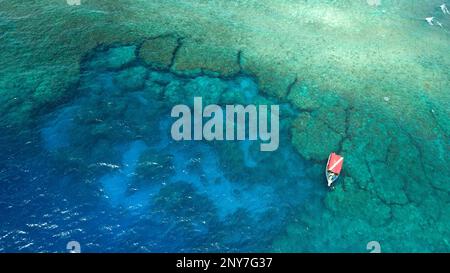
[(331, 175)]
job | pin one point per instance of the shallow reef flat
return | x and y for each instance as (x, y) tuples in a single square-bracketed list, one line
[(371, 82)]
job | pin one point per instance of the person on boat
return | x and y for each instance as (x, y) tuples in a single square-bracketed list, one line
[(445, 9)]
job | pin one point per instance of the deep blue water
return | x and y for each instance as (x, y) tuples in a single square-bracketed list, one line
[(101, 169)]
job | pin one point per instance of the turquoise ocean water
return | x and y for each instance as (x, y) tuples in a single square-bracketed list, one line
[(86, 152)]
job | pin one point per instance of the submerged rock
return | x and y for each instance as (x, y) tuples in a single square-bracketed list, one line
[(210, 89), (174, 93), (154, 89), (304, 97), (194, 58), (361, 204), (388, 185), (242, 90), (162, 78), (313, 138), (158, 53), (131, 79), (113, 58)]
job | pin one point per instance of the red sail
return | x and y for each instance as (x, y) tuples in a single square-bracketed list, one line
[(335, 163)]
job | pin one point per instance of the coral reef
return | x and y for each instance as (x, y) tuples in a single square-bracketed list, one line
[(356, 84)]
